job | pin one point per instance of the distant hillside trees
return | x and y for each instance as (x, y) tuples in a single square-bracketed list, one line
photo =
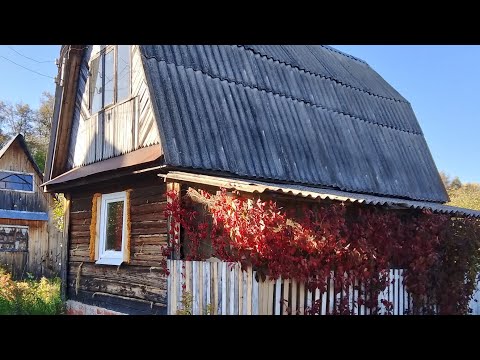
[(33, 124), (465, 195)]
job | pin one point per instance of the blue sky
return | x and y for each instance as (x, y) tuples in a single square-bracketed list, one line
[(441, 82)]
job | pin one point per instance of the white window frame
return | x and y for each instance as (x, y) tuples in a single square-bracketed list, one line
[(101, 55), (21, 173), (111, 257)]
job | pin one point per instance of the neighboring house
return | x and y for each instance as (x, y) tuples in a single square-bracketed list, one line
[(302, 121), (24, 214)]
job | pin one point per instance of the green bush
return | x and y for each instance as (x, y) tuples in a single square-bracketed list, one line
[(29, 297)]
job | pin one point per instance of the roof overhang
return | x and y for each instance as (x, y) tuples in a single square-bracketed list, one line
[(137, 157), (253, 186), (23, 215)]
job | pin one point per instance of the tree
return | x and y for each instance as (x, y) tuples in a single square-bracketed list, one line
[(43, 122), (33, 124), (456, 183), (465, 195)]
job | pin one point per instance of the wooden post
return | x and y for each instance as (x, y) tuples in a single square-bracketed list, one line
[(176, 253), (64, 245)]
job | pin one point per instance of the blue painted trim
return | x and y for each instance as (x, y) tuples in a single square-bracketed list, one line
[(23, 215)]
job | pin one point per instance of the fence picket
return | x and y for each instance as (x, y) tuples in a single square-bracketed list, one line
[(173, 299), (244, 292), (255, 297), (301, 307), (215, 302), (249, 291), (240, 292), (400, 292), (195, 286), (206, 286), (169, 290), (224, 288)]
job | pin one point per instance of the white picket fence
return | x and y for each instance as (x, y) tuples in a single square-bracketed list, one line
[(224, 286), (224, 289)]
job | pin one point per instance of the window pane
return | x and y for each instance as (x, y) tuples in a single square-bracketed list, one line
[(123, 74), (95, 85), (113, 240), (109, 78), (16, 181)]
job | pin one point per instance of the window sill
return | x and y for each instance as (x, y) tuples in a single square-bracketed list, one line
[(109, 261)]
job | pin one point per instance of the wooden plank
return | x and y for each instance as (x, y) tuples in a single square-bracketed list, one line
[(173, 298), (401, 292), (169, 290), (331, 293), (214, 271), (301, 308), (244, 293), (223, 267), (249, 290), (355, 297), (286, 295), (270, 297), (195, 286), (180, 284), (317, 295), (395, 292), (294, 297), (390, 286), (188, 276), (255, 297), (231, 290), (278, 293), (201, 303), (206, 286), (240, 289)]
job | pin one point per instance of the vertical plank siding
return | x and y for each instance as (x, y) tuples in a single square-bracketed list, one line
[(117, 130), (237, 292)]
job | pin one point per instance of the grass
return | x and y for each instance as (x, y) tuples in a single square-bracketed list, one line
[(29, 297)]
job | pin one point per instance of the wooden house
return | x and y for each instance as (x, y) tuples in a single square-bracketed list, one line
[(25, 244), (301, 122)]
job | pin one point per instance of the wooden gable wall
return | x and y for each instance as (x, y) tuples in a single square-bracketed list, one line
[(15, 159), (127, 126)]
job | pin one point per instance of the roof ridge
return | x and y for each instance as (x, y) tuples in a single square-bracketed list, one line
[(330, 78), (331, 48), (307, 102)]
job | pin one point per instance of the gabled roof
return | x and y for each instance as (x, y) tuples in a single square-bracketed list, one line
[(307, 115), (303, 115), (21, 141)]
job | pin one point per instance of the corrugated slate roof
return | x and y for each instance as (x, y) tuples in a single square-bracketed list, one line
[(301, 114), (254, 186)]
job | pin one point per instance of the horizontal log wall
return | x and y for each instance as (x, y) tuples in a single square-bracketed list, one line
[(137, 287)]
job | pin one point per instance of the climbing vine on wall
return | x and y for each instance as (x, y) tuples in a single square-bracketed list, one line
[(440, 254)]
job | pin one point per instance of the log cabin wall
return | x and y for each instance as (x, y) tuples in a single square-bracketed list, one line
[(135, 288), (119, 128)]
